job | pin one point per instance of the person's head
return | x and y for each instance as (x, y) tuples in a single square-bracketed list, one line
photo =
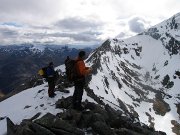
[(51, 64), (67, 57), (82, 54)]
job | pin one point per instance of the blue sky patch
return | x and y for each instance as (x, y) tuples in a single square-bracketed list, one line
[(12, 24)]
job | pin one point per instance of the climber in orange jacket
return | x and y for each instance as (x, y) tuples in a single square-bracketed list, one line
[(79, 83)]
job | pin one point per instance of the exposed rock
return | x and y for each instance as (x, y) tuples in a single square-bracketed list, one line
[(1, 94), (97, 117), (101, 128), (177, 73), (153, 32), (167, 83), (150, 120), (54, 123), (36, 116), (173, 46), (91, 94), (41, 105), (31, 128), (166, 63), (138, 50), (99, 110), (27, 106), (94, 119), (41, 91), (112, 115), (178, 109), (72, 116), (124, 131), (176, 128), (11, 128), (2, 118), (64, 103), (160, 106), (120, 122)]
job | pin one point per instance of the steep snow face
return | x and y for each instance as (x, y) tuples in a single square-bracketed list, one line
[(141, 74)]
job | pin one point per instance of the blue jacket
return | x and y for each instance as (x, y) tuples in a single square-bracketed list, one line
[(50, 72)]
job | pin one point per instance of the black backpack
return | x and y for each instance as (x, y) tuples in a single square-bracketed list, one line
[(71, 69)]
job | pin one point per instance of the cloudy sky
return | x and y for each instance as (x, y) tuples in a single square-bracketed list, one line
[(79, 21)]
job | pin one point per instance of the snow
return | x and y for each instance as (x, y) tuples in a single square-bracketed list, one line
[(38, 48), (14, 107), (151, 60), (147, 60), (163, 123), (61, 67), (153, 56)]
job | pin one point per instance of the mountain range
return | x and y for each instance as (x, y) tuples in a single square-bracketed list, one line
[(20, 63), (138, 76)]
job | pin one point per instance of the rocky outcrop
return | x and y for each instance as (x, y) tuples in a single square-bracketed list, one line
[(1, 94), (93, 119), (160, 106), (176, 127)]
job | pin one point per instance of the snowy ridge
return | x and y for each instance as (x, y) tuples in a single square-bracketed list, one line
[(133, 70), (139, 75)]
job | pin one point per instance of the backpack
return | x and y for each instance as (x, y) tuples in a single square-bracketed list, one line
[(71, 70), (42, 72)]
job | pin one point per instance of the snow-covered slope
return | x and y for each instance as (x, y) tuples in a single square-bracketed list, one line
[(141, 74), (30, 102)]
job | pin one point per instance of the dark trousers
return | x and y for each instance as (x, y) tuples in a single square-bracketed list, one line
[(51, 84), (78, 93)]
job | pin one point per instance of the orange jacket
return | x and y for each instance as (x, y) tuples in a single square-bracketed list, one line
[(81, 68)]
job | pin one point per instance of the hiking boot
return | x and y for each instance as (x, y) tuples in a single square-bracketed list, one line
[(52, 96)]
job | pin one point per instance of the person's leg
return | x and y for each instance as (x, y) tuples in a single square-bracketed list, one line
[(80, 94), (51, 88), (75, 94)]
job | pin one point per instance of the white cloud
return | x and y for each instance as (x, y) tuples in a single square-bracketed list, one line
[(21, 20), (76, 23), (137, 24), (30, 11)]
